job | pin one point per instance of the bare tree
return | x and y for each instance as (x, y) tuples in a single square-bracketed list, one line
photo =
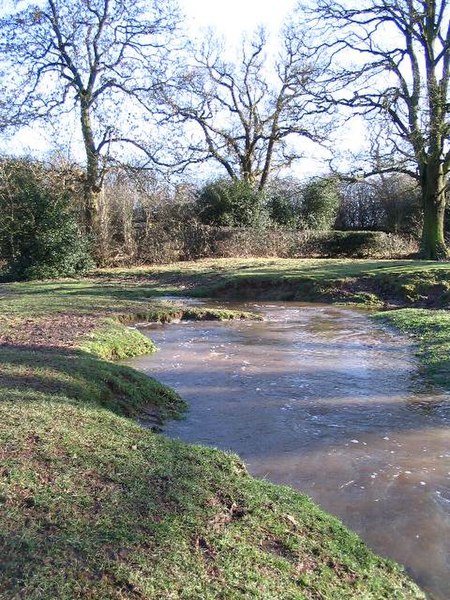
[(242, 115), (390, 60), (388, 202), (82, 54)]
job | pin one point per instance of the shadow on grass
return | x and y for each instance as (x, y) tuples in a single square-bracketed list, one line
[(84, 379), (139, 292), (94, 506)]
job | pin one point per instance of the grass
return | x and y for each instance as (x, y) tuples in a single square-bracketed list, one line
[(112, 341), (367, 282), (90, 314), (95, 506), (430, 330)]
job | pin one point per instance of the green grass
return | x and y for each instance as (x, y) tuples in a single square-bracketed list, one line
[(140, 291), (112, 341), (94, 506), (369, 282), (135, 300), (81, 379), (430, 330)]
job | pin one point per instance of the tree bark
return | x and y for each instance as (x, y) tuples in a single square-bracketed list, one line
[(92, 188), (433, 198)]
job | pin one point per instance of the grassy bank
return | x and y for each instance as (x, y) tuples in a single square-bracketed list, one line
[(418, 288), (430, 329), (369, 282), (94, 506), (66, 313)]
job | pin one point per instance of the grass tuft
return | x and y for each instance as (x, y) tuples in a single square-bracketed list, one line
[(114, 341)]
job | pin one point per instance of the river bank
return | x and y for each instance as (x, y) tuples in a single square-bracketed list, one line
[(372, 283), (95, 506), (397, 287)]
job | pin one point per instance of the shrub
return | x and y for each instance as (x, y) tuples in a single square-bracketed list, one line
[(225, 203), (284, 202), (388, 203), (227, 242), (356, 244), (320, 203), (39, 235), (196, 241)]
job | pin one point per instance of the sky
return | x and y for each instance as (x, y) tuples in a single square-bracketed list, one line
[(233, 17)]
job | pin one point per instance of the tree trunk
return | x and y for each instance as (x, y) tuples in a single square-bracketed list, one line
[(433, 198), (91, 208), (92, 188)]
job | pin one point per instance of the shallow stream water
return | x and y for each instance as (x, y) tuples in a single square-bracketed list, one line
[(324, 400)]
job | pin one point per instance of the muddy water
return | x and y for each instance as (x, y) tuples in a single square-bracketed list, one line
[(322, 399)]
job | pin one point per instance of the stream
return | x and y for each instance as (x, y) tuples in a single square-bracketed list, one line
[(324, 400)]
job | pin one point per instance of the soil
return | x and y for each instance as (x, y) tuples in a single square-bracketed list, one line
[(61, 330)]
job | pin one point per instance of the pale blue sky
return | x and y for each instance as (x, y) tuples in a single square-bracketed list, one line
[(233, 17)]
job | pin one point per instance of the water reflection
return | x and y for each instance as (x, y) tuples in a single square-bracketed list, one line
[(321, 399)]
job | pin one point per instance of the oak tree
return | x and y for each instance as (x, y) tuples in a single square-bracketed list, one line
[(86, 55), (243, 114), (390, 61)]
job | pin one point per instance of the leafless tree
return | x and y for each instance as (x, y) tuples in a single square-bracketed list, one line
[(87, 55), (390, 60), (388, 202), (243, 115)]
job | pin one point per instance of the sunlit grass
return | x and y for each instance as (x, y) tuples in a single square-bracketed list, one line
[(367, 282), (430, 330)]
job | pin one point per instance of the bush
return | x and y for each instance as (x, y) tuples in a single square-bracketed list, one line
[(284, 202), (39, 235), (202, 241), (320, 203), (387, 203), (225, 203), (354, 244), (285, 243)]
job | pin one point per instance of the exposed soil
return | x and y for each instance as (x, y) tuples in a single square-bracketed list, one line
[(60, 330)]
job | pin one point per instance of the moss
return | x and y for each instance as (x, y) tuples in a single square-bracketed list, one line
[(114, 341), (171, 313), (212, 314)]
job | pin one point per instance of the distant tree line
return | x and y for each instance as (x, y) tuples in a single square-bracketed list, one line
[(42, 234)]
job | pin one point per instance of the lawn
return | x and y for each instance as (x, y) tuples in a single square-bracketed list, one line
[(381, 282)]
